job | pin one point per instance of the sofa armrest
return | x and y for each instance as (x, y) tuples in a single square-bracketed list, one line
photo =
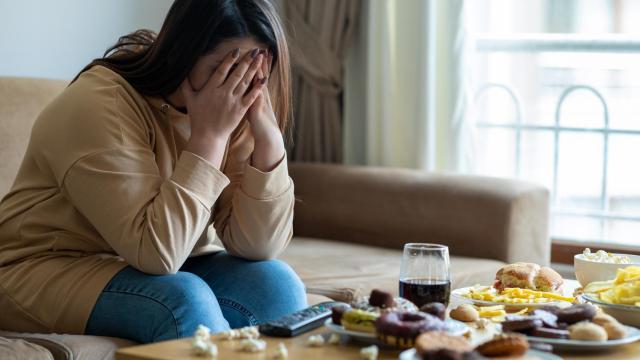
[(475, 216)]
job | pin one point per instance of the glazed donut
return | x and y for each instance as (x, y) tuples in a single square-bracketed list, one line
[(401, 328)]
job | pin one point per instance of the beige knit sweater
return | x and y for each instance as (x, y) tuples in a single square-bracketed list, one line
[(105, 183)]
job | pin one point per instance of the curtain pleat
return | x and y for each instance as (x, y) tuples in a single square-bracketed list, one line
[(319, 34)]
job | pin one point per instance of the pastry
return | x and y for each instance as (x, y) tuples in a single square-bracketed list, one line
[(381, 299), (521, 323), (615, 330), (587, 331), (528, 276), (576, 313), (401, 328), (337, 312), (359, 320), (465, 313), (436, 309), (504, 345), (602, 319), (436, 340), (550, 333)]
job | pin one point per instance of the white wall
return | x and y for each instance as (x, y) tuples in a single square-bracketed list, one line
[(56, 38)]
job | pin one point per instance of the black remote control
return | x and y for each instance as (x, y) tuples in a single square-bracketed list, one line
[(299, 322)]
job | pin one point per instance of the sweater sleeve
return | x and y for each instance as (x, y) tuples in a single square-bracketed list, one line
[(254, 220), (153, 224)]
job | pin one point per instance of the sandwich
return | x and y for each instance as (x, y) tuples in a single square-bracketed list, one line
[(528, 276)]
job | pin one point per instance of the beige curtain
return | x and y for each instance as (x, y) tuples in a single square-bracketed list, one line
[(319, 34)]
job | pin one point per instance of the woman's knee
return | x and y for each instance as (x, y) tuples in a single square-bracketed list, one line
[(192, 302), (148, 308), (278, 274), (274, 282)]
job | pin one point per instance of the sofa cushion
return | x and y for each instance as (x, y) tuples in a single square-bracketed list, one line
[(19, 349), (67, 347), (336, 269)]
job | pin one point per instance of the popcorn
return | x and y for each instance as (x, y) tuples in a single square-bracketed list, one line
[(249, 332), (202, 344), (334, 339), (369, 352), (605, 257), (281, 352), (315, 341), (253, 345)]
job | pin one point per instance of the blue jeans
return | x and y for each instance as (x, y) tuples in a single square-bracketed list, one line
[(218, 290)]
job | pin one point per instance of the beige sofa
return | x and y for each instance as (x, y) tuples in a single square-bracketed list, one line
[(350, 223)]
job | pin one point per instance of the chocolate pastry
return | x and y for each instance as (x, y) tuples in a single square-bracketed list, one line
[(401, 328), (521, 324), (549, 320), (550, 308), (550, 333), (436, 309), (381, 299), (576, 313), (337, 311)]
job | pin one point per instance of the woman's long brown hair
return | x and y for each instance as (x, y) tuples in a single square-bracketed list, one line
[(156, 65)]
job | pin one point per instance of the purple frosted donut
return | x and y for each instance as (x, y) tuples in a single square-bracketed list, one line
[(401, 328)]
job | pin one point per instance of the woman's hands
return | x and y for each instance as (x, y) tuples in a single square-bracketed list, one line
[(216, 109), (269, 145)]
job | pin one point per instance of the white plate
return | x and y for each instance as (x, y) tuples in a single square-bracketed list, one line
[(633, 335), (410, 354), (454, 327), (459, 294), (626, 314)]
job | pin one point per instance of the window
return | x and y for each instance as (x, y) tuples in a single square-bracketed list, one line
[(557, 102)]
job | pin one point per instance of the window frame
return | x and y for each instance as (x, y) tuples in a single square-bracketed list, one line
[(546, 42)]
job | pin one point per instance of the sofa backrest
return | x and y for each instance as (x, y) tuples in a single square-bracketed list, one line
[(21, 100)]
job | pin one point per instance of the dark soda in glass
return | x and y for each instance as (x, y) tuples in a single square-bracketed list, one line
[(424, 291)]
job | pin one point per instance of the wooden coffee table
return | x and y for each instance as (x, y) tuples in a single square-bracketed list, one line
[(181, 349)]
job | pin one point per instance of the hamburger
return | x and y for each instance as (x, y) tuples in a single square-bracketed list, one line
[(528, 276)]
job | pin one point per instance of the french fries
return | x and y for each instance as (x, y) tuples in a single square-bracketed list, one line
[(515, 296), (623, 290)]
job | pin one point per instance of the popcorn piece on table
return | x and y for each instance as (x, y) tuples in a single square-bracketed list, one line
[(249, 332), (315, 341), (369, 352), (281, 352), (202, 344), (253, 345), (334, 339)]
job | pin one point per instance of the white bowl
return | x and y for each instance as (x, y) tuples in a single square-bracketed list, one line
[(588, 271)]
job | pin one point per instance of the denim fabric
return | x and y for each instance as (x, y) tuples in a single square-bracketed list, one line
[(217, 290)]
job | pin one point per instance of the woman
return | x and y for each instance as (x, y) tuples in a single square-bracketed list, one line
[(132, 174)]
